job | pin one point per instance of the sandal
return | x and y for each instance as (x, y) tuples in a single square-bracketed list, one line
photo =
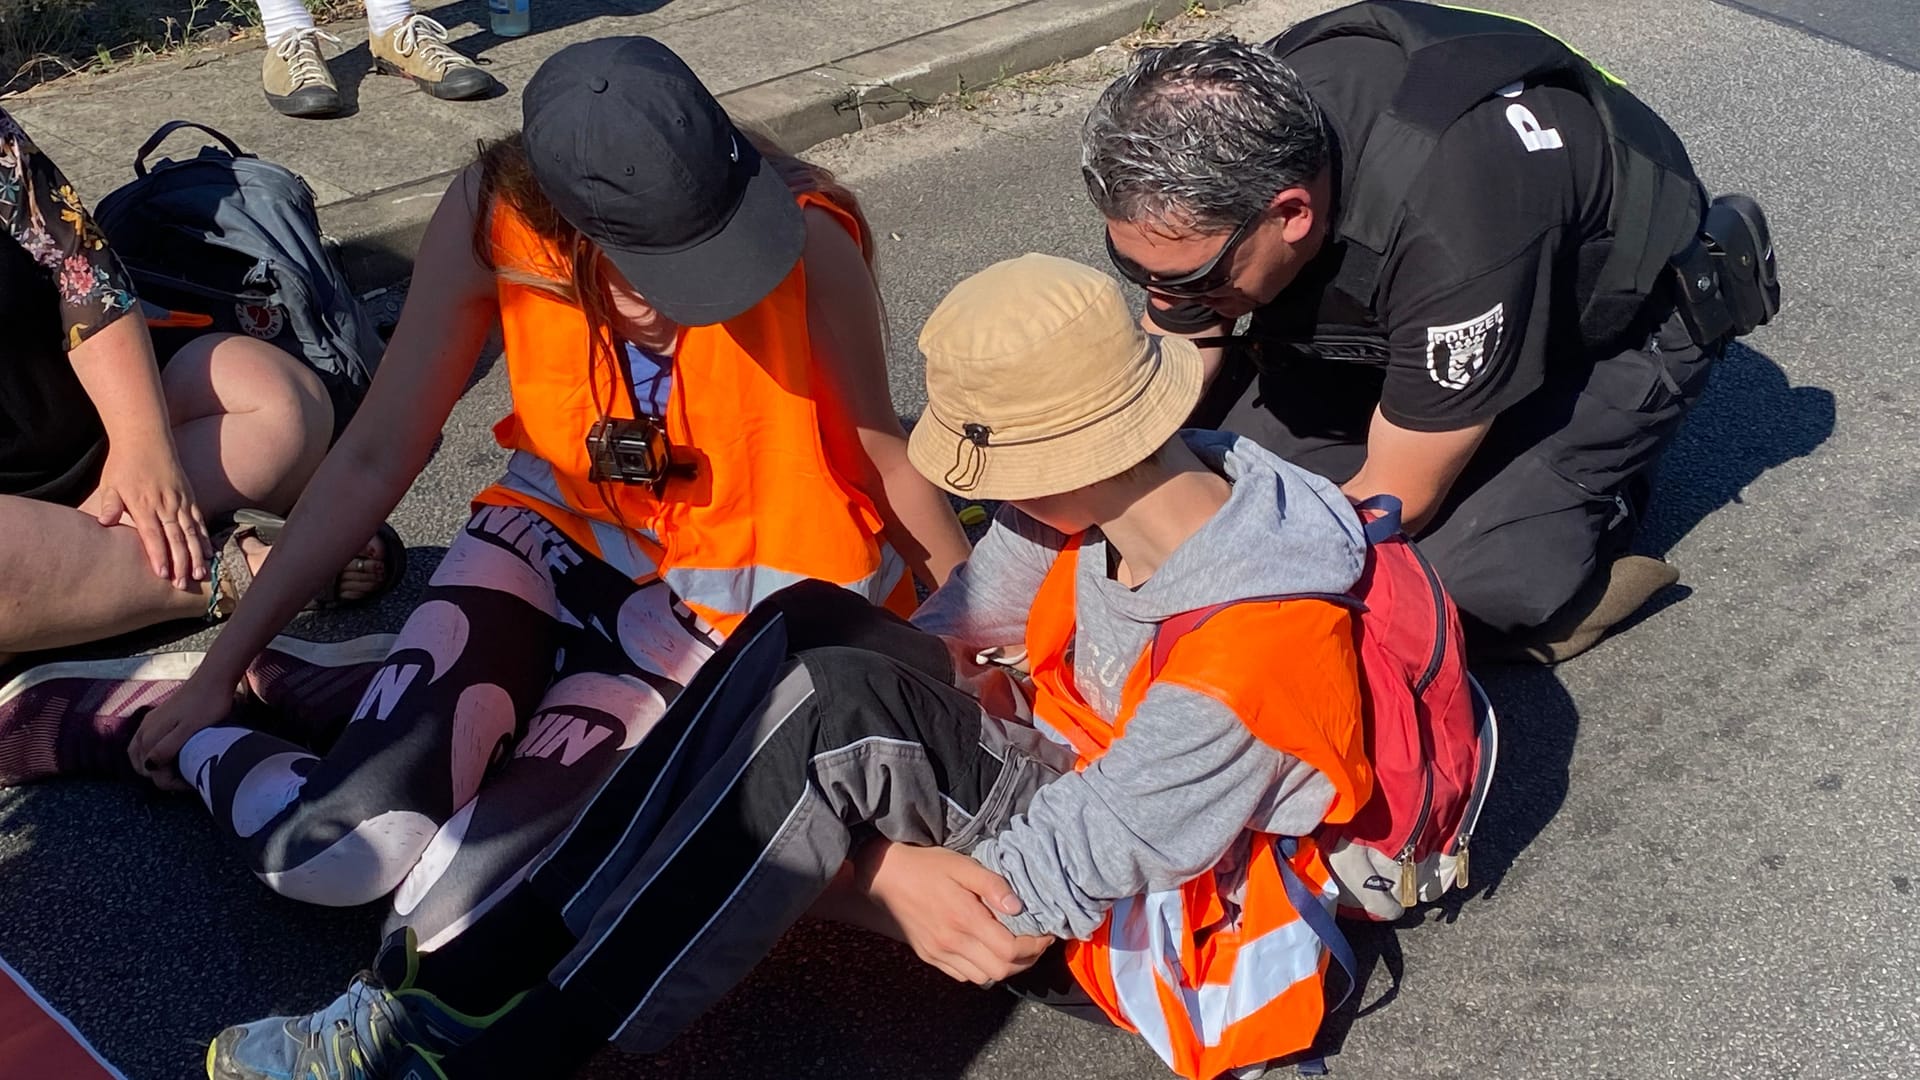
[(232, 575)]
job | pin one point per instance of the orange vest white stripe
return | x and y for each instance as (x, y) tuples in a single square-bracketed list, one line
[(764, 507), (1212, 985)]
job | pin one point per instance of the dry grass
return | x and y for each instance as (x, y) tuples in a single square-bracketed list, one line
[(48, 39)]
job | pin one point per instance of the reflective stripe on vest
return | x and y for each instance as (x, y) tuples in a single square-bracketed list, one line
[(762, 506), (533, 478), (1145, 938), (739, 590)]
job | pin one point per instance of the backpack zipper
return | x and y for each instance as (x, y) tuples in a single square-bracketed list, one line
[(1439, 628), (1409, 894), (1409, 888)]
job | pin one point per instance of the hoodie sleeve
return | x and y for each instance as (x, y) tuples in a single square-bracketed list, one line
[(1161, 806), (984, 603)]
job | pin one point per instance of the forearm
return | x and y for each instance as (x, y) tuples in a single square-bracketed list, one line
[(1164, 804), (1417, 505), (117, 370), (848, 900), (1417, 467), (1191, 321), (922, 526)]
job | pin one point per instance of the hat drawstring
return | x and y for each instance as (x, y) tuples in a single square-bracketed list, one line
[(969, 457)]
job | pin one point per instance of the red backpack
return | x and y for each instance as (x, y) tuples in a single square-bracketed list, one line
[(1431, 735)]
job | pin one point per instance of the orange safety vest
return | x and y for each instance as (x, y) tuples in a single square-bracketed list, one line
[(764, 507), (1213, 986)]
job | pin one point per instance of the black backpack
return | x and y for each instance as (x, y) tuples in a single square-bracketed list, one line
[(234, 244)]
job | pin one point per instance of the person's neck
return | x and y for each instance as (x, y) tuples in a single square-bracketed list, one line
[(656, 340), (1156, 510)]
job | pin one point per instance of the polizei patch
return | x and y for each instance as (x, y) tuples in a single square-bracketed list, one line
[(1455, 354)]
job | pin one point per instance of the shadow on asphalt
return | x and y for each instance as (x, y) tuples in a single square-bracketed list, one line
[(1539, 727), (830, 1001), (1750, 419), (123, 906)]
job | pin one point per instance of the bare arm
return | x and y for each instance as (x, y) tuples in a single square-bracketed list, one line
[(116, 368), (843, 310), (1416, 467), (142, 482), (1211, 356)]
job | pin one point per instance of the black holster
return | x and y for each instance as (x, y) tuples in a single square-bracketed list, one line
[(1726, 282)]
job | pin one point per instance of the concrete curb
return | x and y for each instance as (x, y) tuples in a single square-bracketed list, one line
[(379, 232)]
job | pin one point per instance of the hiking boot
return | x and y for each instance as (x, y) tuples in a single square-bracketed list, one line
[(314, 686), (368, 1033), (78, 718), (295, 75), (1608, 599), (416, 48)]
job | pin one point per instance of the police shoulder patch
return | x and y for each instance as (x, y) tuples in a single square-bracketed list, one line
[(1456, 353)]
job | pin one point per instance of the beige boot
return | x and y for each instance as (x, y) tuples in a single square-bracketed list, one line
[(295, 75), (416, 48), (1608, 599)]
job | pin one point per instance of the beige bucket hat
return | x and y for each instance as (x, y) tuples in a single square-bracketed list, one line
[(1040, 380)]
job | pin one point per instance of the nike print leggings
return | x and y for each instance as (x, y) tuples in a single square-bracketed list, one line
[(509, 694)]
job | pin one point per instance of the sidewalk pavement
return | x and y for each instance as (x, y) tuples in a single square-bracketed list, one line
[(808, 69)]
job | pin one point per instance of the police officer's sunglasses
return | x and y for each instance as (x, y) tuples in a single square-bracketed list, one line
[(1206, 279)]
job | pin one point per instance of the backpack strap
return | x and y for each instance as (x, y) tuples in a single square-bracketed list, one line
[(1385, 525), (153, 142), (1318, 919)]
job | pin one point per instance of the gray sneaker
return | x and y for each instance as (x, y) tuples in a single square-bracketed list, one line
[(355, 1038), (368, 1033), (294, 74)]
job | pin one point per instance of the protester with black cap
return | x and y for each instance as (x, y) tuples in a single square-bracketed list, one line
[(694, 343)]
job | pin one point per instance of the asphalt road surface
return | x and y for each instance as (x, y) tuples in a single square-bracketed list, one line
[(1700, 860)]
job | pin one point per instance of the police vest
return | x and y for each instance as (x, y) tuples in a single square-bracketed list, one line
[(1457, 59), (1213, 977), (762, 506)]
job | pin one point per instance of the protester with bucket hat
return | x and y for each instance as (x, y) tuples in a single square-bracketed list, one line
[(825, 733), (700, 416)]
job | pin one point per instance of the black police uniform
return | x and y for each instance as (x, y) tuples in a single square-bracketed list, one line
[(1492, 292)]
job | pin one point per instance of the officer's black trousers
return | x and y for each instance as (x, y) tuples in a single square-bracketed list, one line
[(1553, 494)]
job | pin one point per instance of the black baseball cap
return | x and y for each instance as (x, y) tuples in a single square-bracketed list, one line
[(636, 154)]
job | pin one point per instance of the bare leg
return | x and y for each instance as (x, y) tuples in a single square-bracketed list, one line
[(251, 425), (64, 579)]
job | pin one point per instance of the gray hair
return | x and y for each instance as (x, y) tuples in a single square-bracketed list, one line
[(1202, 133)]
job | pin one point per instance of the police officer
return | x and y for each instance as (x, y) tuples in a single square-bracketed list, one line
[(1462, 248)]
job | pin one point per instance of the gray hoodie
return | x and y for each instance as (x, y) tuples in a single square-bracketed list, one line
[(1171, 797)]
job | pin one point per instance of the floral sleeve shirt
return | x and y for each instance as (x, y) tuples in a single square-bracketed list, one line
[(46, 218)]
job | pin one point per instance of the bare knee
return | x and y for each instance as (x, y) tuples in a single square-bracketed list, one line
[(274, 413)]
